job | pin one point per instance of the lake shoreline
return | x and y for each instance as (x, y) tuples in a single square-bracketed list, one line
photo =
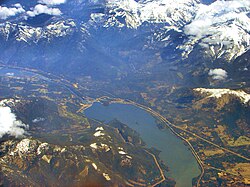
[(165, 156)]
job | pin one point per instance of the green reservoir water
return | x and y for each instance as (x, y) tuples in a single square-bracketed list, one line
[(182, 164)]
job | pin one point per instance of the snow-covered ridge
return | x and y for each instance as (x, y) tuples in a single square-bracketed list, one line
[(171, 12), (218, 93), (222, 28), (28, 33)]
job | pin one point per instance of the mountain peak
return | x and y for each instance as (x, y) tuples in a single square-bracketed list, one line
[(222, 28)]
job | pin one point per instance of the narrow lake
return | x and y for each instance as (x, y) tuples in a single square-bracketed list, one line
[(177, 156)]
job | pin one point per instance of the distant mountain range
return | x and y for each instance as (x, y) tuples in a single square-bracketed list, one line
[(189, 30)]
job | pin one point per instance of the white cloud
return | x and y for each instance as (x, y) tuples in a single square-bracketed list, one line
[(43, 9), (38, 120), (52, 2), (6, 12), (9, 124), (218, 74)]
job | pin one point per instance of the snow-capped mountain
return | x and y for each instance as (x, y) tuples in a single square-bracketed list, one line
[(132, 14), (221, 29), (29, 34)]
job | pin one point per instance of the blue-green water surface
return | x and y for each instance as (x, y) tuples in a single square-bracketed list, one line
[(182, 164)]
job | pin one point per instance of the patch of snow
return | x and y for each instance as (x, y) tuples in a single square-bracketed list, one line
[(42, 147), (94, 166), (98, 133), (63, 150), (106, 176), (105, 146), (93, 145), (128, 156), (99, 129), (122, 152), (25, 146)]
